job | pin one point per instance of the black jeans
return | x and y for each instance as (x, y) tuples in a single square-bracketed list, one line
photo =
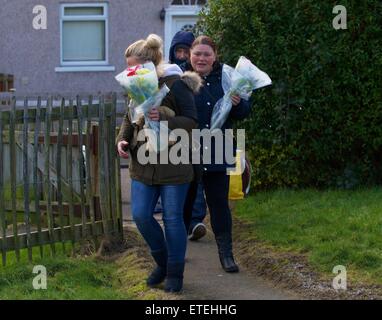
[(216, 187)]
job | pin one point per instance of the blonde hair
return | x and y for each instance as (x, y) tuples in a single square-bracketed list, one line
[(149, 49)]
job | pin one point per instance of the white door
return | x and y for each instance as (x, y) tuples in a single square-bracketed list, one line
[(183, 23), (177, 20)]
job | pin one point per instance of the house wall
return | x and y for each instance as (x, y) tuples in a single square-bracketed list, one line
[(32, 55)]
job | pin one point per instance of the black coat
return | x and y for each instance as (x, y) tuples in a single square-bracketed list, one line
[(205, 100)]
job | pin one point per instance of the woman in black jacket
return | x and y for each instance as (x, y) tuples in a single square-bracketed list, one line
[(214, 174)]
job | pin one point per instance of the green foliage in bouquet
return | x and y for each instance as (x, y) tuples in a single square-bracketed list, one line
[(319, 124), (244, 84), (140, 90)]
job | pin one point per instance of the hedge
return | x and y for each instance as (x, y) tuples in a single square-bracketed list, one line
[(320, 124)]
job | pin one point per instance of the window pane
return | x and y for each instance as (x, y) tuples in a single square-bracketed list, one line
[(84, 40), (83, 11)]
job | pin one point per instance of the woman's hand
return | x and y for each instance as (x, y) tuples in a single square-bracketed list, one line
[(154, 114), (121, 146), (235, 100)]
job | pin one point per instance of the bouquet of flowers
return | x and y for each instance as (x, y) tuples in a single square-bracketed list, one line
[(240, 81), (141, 85)]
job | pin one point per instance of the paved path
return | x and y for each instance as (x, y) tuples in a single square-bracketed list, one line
[(204, 277)]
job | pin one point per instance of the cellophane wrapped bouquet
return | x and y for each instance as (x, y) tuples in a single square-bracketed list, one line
[(141, 85), (240, 81)]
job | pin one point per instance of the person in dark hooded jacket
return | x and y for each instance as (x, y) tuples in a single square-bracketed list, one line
[(180, 47), (193, 216), (179, 54)]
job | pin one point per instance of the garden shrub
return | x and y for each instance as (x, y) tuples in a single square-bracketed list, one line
[(320, 123)]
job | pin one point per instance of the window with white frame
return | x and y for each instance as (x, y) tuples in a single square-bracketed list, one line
[(84, 34)]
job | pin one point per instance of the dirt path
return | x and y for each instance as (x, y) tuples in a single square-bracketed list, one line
[(204, 277)]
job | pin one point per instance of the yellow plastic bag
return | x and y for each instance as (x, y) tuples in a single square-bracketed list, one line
[(235, 179)]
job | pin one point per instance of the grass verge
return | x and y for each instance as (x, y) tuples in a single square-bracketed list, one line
[(326, 228), (117, 274)]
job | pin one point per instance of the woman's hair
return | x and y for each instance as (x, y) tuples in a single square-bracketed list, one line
[(149, 49), (206, 41)]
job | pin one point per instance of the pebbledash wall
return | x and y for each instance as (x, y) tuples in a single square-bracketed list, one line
[(33, 56)]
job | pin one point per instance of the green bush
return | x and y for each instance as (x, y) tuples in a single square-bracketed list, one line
[(320, 124)]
